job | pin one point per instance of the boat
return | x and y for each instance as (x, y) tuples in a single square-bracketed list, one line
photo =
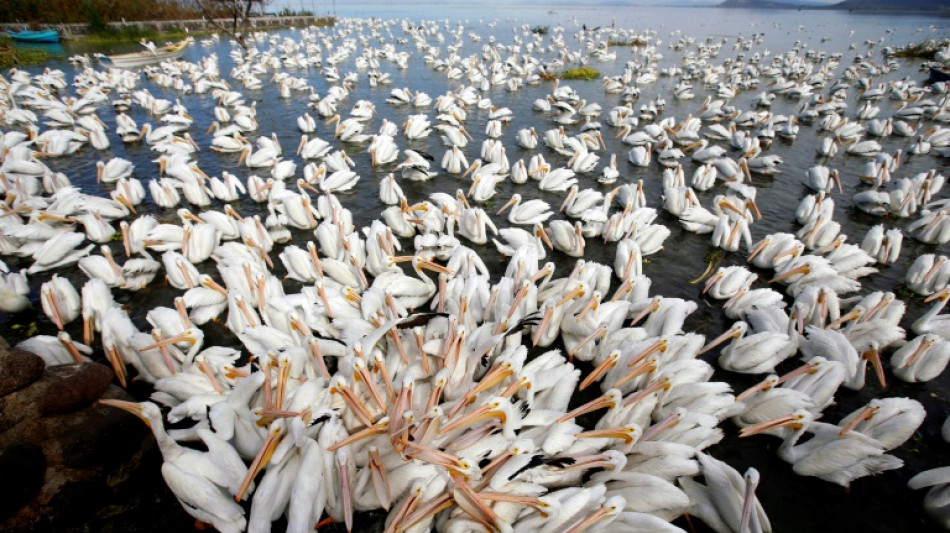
[(27, 36), (148, 57)]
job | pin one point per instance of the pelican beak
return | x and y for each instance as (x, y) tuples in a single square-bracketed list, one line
[(606, 400), (792, 421), (510, 203), (731, 333), (592, 519), (755, 209), (407, 516), (646, 311), (864, 414), (489, 380), (658, 428), (874, 356), (922, 348), (764, 385), (434, 267), (942, 295), (547, 240), (601, 332), (482, 413), (609, 362), (470, 502), (627, 433), (570, 195), (125, 202), (712, 281), (662, 383), (758, 249), (362, 374), (342, 464), (578, 292), (644, 367), (470, 168), (174, 339), (378, 428), (380, 480), (853, 314), (131, 407), (804, 269)]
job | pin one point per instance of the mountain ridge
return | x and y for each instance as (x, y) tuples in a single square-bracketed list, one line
[(851, 5)]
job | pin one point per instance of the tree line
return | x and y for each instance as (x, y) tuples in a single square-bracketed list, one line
[(98, 12)]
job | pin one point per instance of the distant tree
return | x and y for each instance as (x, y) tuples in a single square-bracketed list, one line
[(238, 12)]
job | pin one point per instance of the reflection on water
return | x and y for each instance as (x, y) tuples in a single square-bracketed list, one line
[(794, 503), (53, 49)]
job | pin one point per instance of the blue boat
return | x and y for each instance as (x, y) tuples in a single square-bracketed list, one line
[(27, 36)]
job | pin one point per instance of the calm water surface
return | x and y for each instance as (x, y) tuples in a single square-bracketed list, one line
[(794, 503)]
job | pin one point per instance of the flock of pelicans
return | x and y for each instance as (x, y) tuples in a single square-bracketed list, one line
[(445, 399)]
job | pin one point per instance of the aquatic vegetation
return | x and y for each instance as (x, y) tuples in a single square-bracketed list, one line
[(580, 73), (924, 50), (11, 56)]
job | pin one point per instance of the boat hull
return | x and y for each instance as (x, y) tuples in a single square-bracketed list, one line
[(45, 36), (139, 59)]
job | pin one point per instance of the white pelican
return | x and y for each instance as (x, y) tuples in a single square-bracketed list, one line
[(115, 169), (527, 213), (410, 292), (921, 359), (203, 482), (820, 178), (727, 501), (830, 454), (567, 237), (263, 157), (527, 138), (306, 123), (757, 353)]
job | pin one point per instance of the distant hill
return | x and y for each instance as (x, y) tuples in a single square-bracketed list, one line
[(853, 5), (772, 4), (888, 5)]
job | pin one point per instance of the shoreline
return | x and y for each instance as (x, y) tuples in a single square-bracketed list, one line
[(78, 29)]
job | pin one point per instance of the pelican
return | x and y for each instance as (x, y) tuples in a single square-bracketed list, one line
[(727, 501), (205, 483), (527, 213), (410, 292), (567, 237), (835, 456)]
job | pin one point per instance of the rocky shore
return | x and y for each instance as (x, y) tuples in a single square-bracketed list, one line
[(62, 454)]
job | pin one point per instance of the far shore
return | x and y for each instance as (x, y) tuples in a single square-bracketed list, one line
[(80, 30)]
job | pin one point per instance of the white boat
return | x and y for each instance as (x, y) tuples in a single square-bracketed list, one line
[(148, 57)]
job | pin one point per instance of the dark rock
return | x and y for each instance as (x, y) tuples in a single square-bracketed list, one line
[(63, 389), (23, 466), (94, 437), (18, 369), (75, 386), (61, 453)]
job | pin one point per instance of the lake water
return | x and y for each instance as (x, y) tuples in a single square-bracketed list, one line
[(794, 503)]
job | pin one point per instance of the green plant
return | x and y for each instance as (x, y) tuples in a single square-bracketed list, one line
[(925, 50), (631, 42), (11, 56), (580, 73), (540, 30), (96, 22)]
